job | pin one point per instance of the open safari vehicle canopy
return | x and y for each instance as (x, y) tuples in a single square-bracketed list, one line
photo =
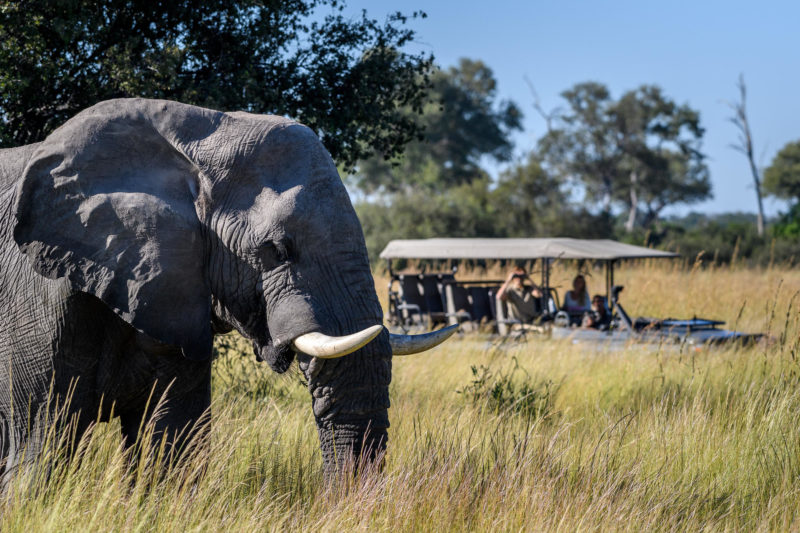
[(412, 292), (416, 291), (541, 248), (545, 249)]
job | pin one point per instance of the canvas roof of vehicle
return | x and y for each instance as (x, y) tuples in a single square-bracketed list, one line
[(538, 248)]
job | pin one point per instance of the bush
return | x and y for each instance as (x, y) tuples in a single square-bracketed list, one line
[(500, 392)]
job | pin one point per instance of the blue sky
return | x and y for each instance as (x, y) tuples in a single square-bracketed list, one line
[(694, 50)]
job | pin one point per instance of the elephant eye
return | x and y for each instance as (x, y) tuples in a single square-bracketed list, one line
[(276, 253), (282, 253)]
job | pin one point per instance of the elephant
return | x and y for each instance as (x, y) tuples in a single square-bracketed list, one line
[(139, 230)]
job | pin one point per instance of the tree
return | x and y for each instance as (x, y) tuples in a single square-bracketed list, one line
[(463, 122), (583, 148), (462, 211), (345, 78), (782, 177), (660, 146), (641, 151), (744, 144), (526, 201), (438, 186), (529, 202)]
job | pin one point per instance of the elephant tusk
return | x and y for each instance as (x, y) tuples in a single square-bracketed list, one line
[(318, 344), (408, 344)]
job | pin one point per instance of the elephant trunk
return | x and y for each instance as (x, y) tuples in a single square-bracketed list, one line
[(350, 394), (346, 446), (350, 401)]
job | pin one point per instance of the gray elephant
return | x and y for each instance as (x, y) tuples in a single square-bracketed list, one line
[(140, 229)]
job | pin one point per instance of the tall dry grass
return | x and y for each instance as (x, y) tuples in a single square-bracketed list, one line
[(534, 436)]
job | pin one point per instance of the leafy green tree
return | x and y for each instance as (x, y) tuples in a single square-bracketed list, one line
[(463, 122), (530, 202), (462, 211), (526, 201), (782, 177), (660, 145), (641, 151), (345, 78), (583, 147), (787, 224), (438, 186)]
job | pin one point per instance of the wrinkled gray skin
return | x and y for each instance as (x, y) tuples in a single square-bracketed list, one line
[(141, 228)]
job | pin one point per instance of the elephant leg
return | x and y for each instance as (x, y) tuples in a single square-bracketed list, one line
[(51, 429), (179, 418)]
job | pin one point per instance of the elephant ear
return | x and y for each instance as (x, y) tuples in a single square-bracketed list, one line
[(109, 204)]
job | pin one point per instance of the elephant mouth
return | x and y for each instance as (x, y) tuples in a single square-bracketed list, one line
[(278, 357), (323, 346)]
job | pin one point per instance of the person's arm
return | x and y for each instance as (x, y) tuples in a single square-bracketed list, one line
[(502, 292)]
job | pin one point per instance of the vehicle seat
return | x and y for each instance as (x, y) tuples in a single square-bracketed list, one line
[(412, 304), (434, 301), (458, 304), (481, 307)]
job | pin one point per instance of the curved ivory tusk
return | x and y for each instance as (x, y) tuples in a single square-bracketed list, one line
[(326, 347), (408, 344)]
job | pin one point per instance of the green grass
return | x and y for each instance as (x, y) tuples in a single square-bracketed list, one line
[(536, 436)]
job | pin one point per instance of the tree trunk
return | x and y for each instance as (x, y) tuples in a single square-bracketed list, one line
[(607, 195), (745, 146), (757, 182), (630, 224)]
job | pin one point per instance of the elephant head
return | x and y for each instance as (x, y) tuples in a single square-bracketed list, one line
[(186, 222)]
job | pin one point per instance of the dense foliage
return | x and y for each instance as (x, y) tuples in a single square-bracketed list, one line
[(524, 202), (782, 177), (463, 123), (344, 77), (720, 239), (440, 186)]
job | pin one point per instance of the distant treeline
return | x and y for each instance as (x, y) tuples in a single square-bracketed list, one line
[(606, 167), (726, 238), (711, 239)]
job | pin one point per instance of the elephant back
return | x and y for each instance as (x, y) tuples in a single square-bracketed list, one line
[(12, 164)]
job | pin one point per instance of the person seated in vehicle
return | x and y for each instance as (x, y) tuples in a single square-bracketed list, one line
[(576, 301), (598, 317), (524, 300)]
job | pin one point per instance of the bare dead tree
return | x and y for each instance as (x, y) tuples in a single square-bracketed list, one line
[(744, 145)]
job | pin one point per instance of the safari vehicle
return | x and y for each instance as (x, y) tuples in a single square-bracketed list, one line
[(423, 300)]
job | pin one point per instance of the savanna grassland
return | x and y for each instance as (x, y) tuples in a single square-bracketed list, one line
[(487, 436)]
